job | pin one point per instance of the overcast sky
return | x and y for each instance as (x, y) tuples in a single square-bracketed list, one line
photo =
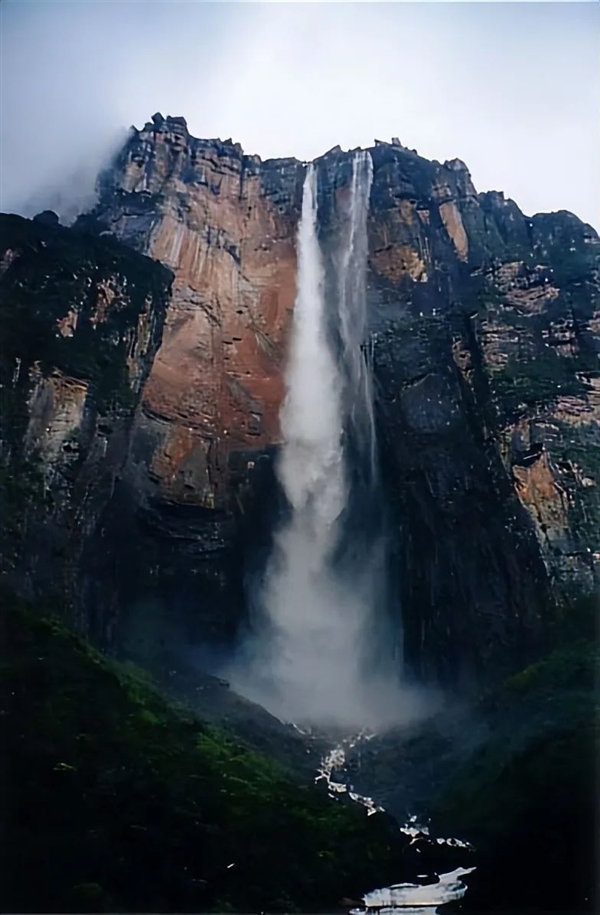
[(511, 88)]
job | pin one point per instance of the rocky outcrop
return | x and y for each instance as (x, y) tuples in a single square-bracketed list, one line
[(484, 333), (488, 373), (225, 223), (82, 319)]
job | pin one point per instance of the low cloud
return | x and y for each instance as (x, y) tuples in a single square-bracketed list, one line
[(512, 89)]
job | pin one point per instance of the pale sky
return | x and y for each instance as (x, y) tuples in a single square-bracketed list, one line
[(513, 89)]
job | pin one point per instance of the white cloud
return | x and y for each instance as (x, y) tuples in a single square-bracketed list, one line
[(513, 89)]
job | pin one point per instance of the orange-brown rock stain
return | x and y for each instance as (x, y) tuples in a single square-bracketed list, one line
[(396, 261), (218, 377), (544, 498)]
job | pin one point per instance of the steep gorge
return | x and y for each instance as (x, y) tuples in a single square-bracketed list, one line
[(484, 330)]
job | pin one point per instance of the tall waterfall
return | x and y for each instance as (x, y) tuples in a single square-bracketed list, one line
[(313, 658), (352, 315)]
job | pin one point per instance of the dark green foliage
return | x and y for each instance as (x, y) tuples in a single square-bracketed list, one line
[(57, 270), (117, 800), (572, 267), (479, 296), (579, 458), (79, 306), (528, 384), (528, 797), (19, 491)]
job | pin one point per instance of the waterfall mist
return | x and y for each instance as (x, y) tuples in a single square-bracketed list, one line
[(320, 651)]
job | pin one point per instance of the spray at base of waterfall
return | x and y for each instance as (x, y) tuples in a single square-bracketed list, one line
[(319, 652)]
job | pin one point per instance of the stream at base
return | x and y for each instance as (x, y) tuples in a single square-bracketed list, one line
[(402, 898), (415, 899)]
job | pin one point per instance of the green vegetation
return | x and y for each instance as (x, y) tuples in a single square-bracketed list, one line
[(19, 492), (529, 384), (577, 454), (117, 800), (103, 290), (526, 797), (572, 267), (58, 270), (483, 299)]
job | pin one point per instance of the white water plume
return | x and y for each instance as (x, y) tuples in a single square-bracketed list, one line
[(352, 313), (312, 659)]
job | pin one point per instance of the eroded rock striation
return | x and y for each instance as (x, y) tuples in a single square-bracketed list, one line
[(484, 338)]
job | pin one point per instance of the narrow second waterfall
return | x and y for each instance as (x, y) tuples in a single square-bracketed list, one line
[(350, 274), (314, 655)]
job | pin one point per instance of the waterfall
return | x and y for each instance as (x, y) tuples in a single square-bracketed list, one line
[(352, 315), (313, 659)]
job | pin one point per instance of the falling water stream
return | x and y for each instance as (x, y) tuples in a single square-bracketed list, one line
[(351, 275), (315, 657), (318, 656)]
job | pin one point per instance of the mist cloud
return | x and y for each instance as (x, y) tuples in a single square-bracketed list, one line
[(513, 89)]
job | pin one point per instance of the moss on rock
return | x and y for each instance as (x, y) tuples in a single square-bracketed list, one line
[(522, 384)]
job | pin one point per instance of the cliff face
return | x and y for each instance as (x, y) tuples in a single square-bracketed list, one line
[(486, 353), (485, 334), (82, 319), (225, 224), (484, 326)]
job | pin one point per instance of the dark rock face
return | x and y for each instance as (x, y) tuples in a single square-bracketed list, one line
[(486, 358), (47, 218), (484, 332), (472, 580), (485, 350), (82, 319)]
